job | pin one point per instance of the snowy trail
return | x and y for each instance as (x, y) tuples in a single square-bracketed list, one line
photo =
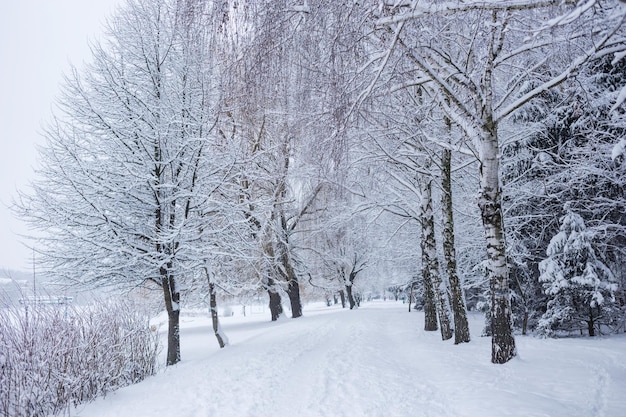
[(375, 361)]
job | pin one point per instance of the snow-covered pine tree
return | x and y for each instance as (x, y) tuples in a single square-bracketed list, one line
[(579, 286)]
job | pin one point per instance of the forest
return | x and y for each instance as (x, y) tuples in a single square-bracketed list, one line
[(465, 155)]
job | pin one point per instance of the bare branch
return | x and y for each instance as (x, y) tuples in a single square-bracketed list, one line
[(445, 8)]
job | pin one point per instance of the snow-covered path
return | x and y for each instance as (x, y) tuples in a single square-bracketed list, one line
[(375, 361)]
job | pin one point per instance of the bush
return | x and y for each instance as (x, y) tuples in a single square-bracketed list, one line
[(54, 356)]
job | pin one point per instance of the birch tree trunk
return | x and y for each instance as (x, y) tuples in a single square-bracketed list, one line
[(429, 255), (490, 203), (461, 327), (430, 310)]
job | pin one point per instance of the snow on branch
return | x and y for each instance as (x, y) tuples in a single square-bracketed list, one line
[(300, 9), (568, 18), (619, 150), (564, 75), (621, 98), (443, 8), (415, 83), (385, 59)]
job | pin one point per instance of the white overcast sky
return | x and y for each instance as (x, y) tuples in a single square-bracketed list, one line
[(38, 41)]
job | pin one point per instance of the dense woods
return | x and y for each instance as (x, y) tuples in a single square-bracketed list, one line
[(464, 155)]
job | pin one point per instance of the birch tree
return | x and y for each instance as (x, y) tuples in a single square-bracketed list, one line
[(430, 263), (465, 65), (457, 298)]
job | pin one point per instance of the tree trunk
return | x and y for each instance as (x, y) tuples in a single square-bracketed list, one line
[(222, 339), (289, 275), (342, 295), (430, 310), (172, 305), (461, 326), (350, 297), (276, 307), (502, 341), (591, 323), (293, 287), (429, 255), (293, 291)]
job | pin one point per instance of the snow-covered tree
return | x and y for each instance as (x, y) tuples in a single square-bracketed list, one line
[(266, 106), (580, 288), (430, 261), (472, 71), (457, 298), (129, 175), (563, 153)]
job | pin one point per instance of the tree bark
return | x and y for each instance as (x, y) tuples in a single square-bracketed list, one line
[(275, 301), (288, 273), (431, 264), (222, 340), (430, 310), (342, 295), (293, 291), (591, 323), (350, 296), (172, 306), (461, 326), (490, 203), (293, 287), (276, 307)]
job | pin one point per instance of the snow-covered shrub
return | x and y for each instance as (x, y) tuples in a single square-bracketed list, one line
[(580, 288), (53, 356)]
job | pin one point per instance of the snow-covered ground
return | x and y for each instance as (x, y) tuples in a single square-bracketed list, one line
[(374, 361)]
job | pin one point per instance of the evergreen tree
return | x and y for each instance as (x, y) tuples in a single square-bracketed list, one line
[(579, 286), (565, 155)]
